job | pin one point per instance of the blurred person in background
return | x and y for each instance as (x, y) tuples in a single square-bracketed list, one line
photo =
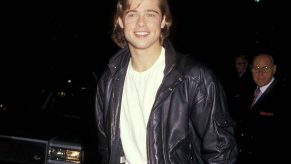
[(241, 88), (239, 92)]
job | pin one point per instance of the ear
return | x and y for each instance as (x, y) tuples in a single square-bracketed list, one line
[(163, 23), (120, 22), (274, 69)]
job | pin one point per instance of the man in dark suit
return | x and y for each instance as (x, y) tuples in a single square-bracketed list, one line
[(265, 112)]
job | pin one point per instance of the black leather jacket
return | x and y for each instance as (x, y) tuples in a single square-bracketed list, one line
[(188, 124)]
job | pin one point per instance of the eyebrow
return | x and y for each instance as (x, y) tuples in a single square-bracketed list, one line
[(149, 10), (155, 11)]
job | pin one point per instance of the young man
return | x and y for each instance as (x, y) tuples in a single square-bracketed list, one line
[(154, 105)]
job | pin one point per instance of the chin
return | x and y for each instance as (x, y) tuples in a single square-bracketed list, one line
[(141, 45)]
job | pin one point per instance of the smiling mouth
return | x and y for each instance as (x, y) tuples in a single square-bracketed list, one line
[(141, 33)]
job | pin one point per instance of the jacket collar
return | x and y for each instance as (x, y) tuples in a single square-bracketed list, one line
[(171, 56), (120, 60)]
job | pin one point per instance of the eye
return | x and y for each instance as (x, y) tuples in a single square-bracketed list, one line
[(131, 14), (150, 15), (265, 68)]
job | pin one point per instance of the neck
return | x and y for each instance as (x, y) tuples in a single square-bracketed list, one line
[(142, 59)]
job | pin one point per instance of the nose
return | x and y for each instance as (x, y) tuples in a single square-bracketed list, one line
[(260, 71), (141, 21)]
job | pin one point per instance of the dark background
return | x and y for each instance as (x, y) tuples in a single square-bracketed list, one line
[(42, 39), (45, 42)]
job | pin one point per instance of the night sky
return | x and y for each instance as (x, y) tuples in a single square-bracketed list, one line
[(44, 38)]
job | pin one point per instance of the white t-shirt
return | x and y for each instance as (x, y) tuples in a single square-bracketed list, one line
[(138, 97)]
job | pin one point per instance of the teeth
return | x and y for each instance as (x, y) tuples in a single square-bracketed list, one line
[(141, 33)]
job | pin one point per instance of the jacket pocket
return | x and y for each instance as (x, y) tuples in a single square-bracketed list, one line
[(225, 131), (224, 121)]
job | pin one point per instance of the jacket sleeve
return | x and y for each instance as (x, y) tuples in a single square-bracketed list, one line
[(101, 135), (213, 122)]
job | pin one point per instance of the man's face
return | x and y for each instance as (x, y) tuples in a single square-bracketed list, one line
[(142, 24), (241, 65), (263, 70)]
